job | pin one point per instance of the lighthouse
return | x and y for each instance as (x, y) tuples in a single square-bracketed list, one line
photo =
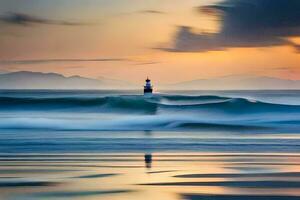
[(148, 89)]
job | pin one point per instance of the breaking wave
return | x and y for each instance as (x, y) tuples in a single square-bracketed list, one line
[(137, 103), (135, 112)]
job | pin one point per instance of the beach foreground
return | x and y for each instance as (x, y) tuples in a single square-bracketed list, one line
[(168, 176)]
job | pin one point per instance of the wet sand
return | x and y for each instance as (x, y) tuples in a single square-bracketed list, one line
[(167, 176)]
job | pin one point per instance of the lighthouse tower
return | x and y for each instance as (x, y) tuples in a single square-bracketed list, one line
[(148, 89)]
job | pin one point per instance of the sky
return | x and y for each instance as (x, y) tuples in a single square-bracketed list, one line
[(168, 40)]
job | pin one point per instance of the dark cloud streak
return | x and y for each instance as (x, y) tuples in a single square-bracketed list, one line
[(26, 20), (46, 61), (148, 63), (152, 12)]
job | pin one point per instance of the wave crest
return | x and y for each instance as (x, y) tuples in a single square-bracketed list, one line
[(140, 104)]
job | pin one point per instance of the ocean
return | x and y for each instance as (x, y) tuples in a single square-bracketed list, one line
[(117, 121), (175, 145)]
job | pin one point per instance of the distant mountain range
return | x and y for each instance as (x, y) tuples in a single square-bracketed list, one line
[(37, 80), (237, 82)]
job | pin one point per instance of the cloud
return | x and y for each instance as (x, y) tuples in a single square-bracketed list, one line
[(141, 12), (297, 47), (46, 61), (148, 63), (244, 23), (16, 63), (25, 20), (287, 69), (151, 12)]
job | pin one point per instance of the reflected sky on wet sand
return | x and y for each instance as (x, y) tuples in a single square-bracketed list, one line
[(169, 176)]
